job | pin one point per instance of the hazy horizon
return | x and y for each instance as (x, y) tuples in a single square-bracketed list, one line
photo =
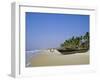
[(46, 30)]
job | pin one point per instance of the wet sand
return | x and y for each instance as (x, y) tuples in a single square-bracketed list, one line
[(58, 60)]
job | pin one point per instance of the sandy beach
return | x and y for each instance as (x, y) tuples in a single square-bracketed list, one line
[(46, 58)]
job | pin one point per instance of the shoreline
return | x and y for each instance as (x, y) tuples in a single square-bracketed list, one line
[(47, 59)]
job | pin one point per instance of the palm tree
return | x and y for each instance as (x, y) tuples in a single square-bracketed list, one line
[(85, 43), (77, 42), (86, 36), (87, 39)]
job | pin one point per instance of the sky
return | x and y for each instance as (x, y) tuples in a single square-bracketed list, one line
[(49, 30)]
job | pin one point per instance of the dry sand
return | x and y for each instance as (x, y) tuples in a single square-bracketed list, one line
[(44, 59)]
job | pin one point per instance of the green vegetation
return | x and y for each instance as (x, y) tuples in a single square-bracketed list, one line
[(75, 44)]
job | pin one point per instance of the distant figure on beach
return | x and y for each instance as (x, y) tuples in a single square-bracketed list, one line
[(52, 50)]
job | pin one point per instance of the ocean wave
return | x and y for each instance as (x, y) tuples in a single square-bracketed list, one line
[(33, 51)]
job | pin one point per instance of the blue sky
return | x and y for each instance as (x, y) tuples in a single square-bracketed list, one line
[(46, 30)]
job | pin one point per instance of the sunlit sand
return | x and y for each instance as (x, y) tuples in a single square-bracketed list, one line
[(47, 58)]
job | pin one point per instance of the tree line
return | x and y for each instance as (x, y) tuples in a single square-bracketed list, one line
[(78, 42)]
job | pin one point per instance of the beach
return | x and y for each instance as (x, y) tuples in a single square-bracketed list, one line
[(47, 58)]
